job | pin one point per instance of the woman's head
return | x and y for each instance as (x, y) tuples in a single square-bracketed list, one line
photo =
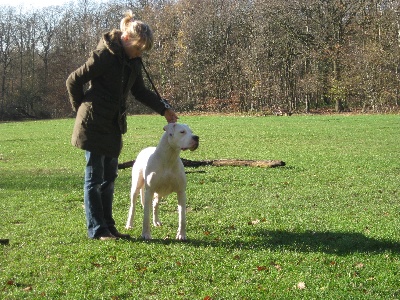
[(136, 34)]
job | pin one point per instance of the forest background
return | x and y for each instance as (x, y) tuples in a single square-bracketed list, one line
[(230, 56)]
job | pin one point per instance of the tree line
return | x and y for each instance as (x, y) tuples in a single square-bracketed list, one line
[(214, 55)]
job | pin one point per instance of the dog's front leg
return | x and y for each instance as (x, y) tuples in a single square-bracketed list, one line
[(148, 196), (181, 235)]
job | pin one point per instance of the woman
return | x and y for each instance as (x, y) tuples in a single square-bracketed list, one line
[(112, 70)]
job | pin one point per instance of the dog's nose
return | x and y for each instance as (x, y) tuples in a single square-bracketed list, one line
[(196, 138)]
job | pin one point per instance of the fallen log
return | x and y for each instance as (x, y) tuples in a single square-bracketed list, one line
[(4, 241), (220, 163)]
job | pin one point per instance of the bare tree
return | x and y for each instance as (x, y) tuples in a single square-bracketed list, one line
[(216, 55), (7, 23)]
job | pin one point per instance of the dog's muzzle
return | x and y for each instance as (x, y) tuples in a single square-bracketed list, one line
[(194, 144)]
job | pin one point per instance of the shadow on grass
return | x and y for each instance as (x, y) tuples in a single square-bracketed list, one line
[(339, 243), (40, 179)]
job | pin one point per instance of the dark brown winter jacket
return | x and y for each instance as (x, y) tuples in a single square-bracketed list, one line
[(101, 110)]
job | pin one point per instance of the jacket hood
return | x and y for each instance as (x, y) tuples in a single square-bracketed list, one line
[(112, 42)]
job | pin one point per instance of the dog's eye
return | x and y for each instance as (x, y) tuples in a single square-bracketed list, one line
[(183, 131)]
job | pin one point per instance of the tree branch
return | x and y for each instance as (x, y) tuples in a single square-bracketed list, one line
[(220, 163)]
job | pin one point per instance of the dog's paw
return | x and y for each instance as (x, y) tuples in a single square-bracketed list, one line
[(181, 237), (146, 236), (128, 227)]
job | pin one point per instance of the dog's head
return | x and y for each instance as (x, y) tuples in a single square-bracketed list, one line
[(181, 136)]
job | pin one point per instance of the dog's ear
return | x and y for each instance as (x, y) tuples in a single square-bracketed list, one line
[(169, 128)]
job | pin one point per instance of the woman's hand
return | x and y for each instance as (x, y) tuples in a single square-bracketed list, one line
[(170, 116)]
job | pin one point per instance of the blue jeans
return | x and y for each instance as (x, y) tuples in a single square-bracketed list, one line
[(100, 174)]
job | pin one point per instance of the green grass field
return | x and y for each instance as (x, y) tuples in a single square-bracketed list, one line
[(325, 226)]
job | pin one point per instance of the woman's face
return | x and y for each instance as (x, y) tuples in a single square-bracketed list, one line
[(131, 50)]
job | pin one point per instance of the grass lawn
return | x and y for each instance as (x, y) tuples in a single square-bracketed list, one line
[(325, 226)]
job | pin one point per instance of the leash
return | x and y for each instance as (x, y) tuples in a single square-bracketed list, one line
[(166, 104)]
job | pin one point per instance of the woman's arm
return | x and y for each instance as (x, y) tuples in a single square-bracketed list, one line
[(93, 67)]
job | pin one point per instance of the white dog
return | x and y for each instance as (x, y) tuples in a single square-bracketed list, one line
[(158, 172)]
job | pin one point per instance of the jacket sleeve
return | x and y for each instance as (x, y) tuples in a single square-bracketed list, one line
[(94, 66), (148, 97)]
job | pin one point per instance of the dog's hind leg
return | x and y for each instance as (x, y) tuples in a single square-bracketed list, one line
[(156, 219), (131, 213), (137, 186), (142, 196)]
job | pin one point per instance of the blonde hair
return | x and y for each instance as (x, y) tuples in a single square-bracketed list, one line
[(140, 34)]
